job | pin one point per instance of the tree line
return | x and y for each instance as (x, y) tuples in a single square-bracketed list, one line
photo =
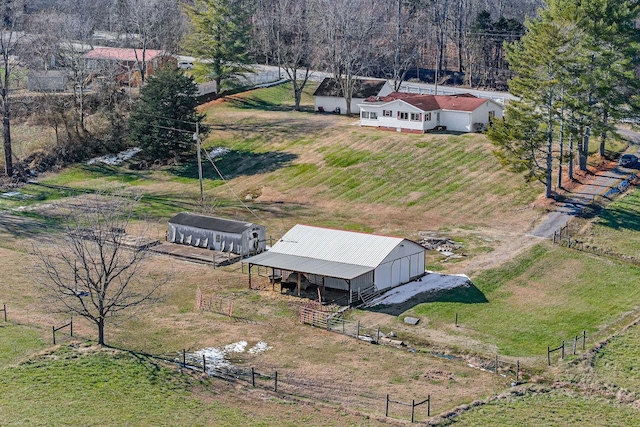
[(437, 40)]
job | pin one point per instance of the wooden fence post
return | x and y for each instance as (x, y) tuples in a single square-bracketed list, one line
[(496, 372), (378, 335), (184, 357), (275, 386), (562, 354), (358, 331), (343, 326), (575, 343), (53, 330), (204, 364), (456, 320), (253, 377), (428, 405), (413, 408), (549, 355), (386, 410), (584, 339), (517, 369), (4, 309)]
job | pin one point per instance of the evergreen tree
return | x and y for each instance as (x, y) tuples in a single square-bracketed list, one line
[(163, 123), (219, 36)]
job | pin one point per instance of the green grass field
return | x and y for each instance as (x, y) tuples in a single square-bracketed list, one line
[(619, 361), (548, 295), (550, 409), (75, 386)]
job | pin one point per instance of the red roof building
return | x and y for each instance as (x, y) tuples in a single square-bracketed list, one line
[(127, 65)]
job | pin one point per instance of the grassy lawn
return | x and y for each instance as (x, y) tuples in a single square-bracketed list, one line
[(18, 342), (548, 295), (82, 386), (618, 226), (551, 409), (619, 362)]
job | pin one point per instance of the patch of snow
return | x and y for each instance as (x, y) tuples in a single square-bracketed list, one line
[(236, 347), (217, 152), (431, 282), (214, 356), (11, 194), (115, 159), (259, 348)]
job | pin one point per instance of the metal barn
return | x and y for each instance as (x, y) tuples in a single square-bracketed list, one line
[(225, 235), (342, 260)]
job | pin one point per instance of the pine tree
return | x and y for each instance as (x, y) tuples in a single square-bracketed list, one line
[(163, 123), (220, 33)]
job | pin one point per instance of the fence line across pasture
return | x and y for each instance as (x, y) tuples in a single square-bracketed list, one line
[(562, 348)]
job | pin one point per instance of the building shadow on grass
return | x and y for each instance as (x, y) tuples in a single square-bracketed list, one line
[(467, 293), (236, 163), (254, 103)]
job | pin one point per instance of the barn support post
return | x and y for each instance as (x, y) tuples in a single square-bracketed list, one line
[(250, 265), (350, 296), (299, 274)]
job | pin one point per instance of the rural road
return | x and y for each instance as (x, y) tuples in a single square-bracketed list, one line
[(585, 195)]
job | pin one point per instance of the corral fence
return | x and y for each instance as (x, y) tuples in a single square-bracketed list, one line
[(413, 406), (216, 304), (573, 345), (333, 321)]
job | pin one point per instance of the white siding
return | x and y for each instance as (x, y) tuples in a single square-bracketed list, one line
[(481, 114), (330, 103), (404, 263), (457, 121), (394, 121)]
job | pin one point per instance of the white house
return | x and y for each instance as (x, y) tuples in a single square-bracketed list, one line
[(342, 260), (328, 96), (405, 112)]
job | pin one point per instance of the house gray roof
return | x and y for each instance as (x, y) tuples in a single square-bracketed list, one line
[(210, 223), (363, 88)]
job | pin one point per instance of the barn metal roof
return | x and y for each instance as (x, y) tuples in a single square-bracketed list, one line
[(335, 269), (210, 223), (326, 244)]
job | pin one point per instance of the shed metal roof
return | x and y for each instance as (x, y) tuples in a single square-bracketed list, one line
[(210, 223), (335, 269)]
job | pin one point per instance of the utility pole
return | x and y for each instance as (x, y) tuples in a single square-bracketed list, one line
[(196, 136)]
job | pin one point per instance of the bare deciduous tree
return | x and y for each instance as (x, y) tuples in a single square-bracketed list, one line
[(346, 30), (11, 38), (90, 271)]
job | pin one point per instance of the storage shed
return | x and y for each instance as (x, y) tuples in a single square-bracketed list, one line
[(343, 260), (242, 238)]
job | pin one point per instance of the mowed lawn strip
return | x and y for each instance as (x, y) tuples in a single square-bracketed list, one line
[(545, 296), (550, 409)]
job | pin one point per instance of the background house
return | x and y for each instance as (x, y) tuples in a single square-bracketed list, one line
[(126, 64), (242, 238), (328, 96), (47, 81), (404, 112), (343, 260)]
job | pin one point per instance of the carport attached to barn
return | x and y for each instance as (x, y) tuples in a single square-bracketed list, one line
[(319, 272)]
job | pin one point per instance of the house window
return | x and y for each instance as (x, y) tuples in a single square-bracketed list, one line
[(217, 238), (427, 117), (416, 117), (492, 115), (387, 113), (403, 115), (372, 115)]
